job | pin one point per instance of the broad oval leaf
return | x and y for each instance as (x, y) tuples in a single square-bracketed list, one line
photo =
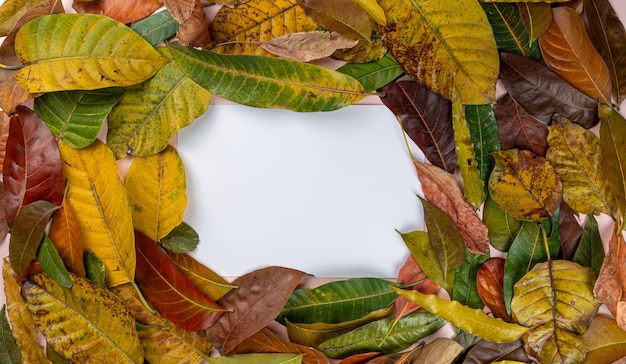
[(207, 281), (337, 301), (605, 341), (575, 155), (446, 45), (490, 286), (32, 165), (149, 114), (83, 322), (525, 185), (510, 32), (105, 221), (268, 82), (52, 264), (266, 341), (308, 46), (518, 129), (120, 10), (65, 236), (77, 116), (157, 192), (489, 352), (342, 16), (182, 239), (84, 52), (169, 291), (441, 350), (568, 51), (375, 74), (613, 152)]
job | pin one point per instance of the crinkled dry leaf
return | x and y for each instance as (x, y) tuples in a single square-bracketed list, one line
[(518, 129), (611, 282), (181, 10), (194, 30), (440, 350), (308, 46)]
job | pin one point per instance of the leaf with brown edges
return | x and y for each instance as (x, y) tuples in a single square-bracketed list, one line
[(194, 30), (266, 341), (536, 16), (490, 286)]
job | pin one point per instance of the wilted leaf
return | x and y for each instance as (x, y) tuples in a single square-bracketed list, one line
[(77, 116), (268, 82), (266, 341), (65, 236), (441, 189), (176, 298), (613, 152), (490, 286), (483, 128), (95, 270), (52, 264), (120, 10), (105, 220), (373, 75), (258, 300), (441, 350), (388, 335), (555, 300), (157, 27), (307, 46), (525, 185), (9, 351), (238, 30), (568, 51), (474, 321), (207, 281), (537, 17), (502, 227), (510, 31), (85, 321), (518, 129), (194, 31), (426, 118), (32, 166), (590, 251), (446, 45), (341, 16), (487, 352), (605, 342), (465, 280), (542, 93), (85, 52), (609, 286)]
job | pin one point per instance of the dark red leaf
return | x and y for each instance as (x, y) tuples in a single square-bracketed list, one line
[(570, 231), (490, 283), (32, 166), (487, 352), (411, 272), (517, 129), (170, 291), (543, 93), (427, 119), (258, 300)]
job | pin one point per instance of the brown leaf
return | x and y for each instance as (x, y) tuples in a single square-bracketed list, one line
[(518, 129), (359, 358), (411, 272), (266, 341), (65, 236), (258, 300), (363, 52), (121, 10), (441, 189), (342, 16), (307, 46), (490, 286), (568, 51), (609, 287), (194, 30), (570, 231), (488, 351), (180, 10)]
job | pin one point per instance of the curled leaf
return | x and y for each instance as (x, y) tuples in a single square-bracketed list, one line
[(307, 46), (65, 236)]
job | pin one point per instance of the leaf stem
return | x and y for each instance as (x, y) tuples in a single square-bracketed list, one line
[(546, 246), (11, 68), (406, 141), (142, 298)]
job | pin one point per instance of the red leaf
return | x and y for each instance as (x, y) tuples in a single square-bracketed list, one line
[(360, 358), (258, 300), (32, 166), (490, 283), (411, 272), (121, 10), (170, 291), (517, 129)]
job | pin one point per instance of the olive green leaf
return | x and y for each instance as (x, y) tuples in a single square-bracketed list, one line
[(555, 300), (375, 74), (447, 45), (465, 290), (613, 152), (268, 82), (182, 239), (483, 127), (84, 52), (150, 113), (257, 359), (473, 185), (52, 264), (502, 228), (9, 351)]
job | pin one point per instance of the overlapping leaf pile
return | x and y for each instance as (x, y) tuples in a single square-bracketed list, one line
[(100, 267)]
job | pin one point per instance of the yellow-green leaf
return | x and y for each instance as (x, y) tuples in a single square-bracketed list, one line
[(258, 359), (575, 155), (83, 52), (473, 185), (605, 341), (206, 280), (373, 9), (447, 45), (239, 29), (12, 10), (149, 114), (613, 151), (474, 321), (157, 192), (104, 218), (85, 322), (524, 185)]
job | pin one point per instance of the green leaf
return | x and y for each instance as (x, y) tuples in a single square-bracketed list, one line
[(590, 251), (474, 186), (337, 301), (502, 227), (84, 52), (77, 116), (268, 82), (182, 239), (52, 264), (613, 152), (474, 321), (373, 75), (483, 128), (446, 45), (157, 27), (9, 351), (555, 299), (465, 280), (95, 269), (150, 113), (388, 335), (257, 359)]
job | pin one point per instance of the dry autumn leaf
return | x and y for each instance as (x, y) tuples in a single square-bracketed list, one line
[(65, 236), (307, 46), (342, 16), (609, 286), (120, 10)]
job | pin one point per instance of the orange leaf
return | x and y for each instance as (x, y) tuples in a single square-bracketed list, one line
[(266, 341), (610, 285), (65, 236), (490, 283), (194, 30), (411, 272), (121, 10)]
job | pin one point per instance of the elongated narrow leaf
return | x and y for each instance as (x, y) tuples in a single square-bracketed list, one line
[(375, 74), (423, 252), (613, 152), (238, 30), (32, 165), (149, 114), (555, 299), (474, 321), (510, 31), (568, 51), (609, 287), (446, 45), (338, 301), (386, 335), (207, 281), (84, 52), (473, 185), (575, 154), (258, 359), (537, 16), (268, 82), (65, 236), (502, 227), (590, 251), (169, 291), (604, 341), (105, 220), (483, 128), (157, 27), (308, 46), (77, 116), (9, 351), (465, 290), (266, 341), (52, 264)]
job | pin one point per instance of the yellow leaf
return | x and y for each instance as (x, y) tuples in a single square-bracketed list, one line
[(207, 281), (105, 222), (373, 9), (157, 191), (473, 185), (238, 30)]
